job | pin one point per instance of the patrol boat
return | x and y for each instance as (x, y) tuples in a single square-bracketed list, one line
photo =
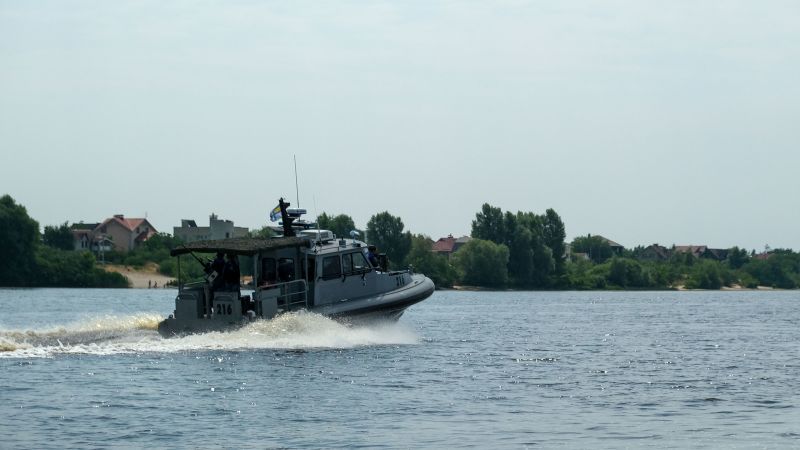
[(305, 269)]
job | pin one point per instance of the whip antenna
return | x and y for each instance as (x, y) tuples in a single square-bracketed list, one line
[(296, 189)]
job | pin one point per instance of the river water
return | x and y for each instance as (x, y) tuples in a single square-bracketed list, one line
[(86, 368)]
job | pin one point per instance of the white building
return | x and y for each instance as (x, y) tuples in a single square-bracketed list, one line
[(217, 229)]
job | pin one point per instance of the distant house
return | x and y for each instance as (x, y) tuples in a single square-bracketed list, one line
[(702, 251), (83, 235), (719, 254), (448, 245), (571, 256), (124, 233), (616, 248), (579, 256), (655, 252), (115, 233), (694, 250), (216, 229), (460, 242)]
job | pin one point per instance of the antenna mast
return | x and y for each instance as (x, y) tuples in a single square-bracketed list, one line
[(296, 189), (316, 213)]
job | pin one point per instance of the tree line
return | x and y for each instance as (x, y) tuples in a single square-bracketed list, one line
[(526, 250), (629, 270), (522, 250), (30, 259)]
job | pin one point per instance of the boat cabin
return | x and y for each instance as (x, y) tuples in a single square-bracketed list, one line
[(313, 271)]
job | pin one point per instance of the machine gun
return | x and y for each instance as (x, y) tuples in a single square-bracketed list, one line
[(211, 275)]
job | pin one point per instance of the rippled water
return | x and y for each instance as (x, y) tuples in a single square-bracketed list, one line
[(463, 369)]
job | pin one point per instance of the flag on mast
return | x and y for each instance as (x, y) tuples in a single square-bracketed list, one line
[(275, 214)]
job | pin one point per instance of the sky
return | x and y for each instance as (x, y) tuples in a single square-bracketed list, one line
[(642, 121)]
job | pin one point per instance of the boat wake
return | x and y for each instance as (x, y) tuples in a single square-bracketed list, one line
[(138, 334)]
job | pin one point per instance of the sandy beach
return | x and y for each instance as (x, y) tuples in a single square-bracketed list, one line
[(143, 278)]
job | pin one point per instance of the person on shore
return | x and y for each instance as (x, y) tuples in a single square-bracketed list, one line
[(149, 284)]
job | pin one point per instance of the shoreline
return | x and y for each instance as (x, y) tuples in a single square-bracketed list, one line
[(144, 278)]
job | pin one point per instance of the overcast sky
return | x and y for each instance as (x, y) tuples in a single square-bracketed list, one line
[(644, 121)]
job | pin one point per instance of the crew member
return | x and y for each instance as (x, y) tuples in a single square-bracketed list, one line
[(218, 266), (372, 255), (231, 273)]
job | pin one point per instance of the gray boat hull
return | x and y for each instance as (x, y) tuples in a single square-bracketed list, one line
[(385, 306)]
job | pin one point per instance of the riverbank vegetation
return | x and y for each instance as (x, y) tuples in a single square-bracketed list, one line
[(525, 250), (31, 260), (522, 250)]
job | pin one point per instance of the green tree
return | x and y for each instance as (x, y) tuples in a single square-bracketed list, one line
[(161, 241), (746, 280), (737, 257), (685, 259), (385, 231), (779, 270), (59, 237), (341, 225), (19, 238), (66, 268), (662, 275), (520, 262), (25, 262), (543, 264), (543, 261), (489, 225), (424, 260), (625, 272), (553, 235), (582, 275), (535, 243), (156, 250), (264, 232), (596, 247), (483, 263), (705, 274)]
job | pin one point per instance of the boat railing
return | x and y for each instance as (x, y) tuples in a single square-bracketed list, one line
[(193, 284), (398, 272), (292, 294)]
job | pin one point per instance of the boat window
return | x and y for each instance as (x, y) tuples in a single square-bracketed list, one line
[(347, 264), (268, 271), (311, 270), (331, 266), (285, 269), (355, 263)]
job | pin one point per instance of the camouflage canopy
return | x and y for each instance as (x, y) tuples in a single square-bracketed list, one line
[(239, 246)]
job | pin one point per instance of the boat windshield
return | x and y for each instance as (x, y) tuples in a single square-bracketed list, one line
[(354, 262)]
